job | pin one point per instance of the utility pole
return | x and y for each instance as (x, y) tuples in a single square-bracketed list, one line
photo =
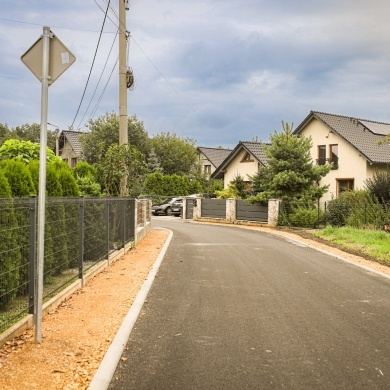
[(123, 130)]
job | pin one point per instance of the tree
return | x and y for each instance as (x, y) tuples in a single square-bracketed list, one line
[(104, 132), (236, 189), (5, 133), (32, 133), (24, 151), (85, 175), (379, 186), (176, 155), (290, 174), (153, 163), (121, 161)]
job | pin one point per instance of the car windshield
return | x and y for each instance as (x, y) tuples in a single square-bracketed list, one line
[(165, 201)]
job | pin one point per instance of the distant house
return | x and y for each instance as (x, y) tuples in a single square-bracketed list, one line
[(350, 144), (68, 147), (211, 158), (244, 161)]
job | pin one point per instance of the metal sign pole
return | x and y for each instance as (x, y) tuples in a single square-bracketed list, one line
[(42, 183)]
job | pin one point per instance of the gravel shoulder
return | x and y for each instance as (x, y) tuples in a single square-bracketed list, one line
[(78, 333)]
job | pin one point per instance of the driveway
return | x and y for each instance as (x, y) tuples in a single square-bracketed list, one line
[(240, 309)]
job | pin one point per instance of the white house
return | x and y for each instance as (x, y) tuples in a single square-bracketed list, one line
[(350, 144), (68, 147), (243, 161), (211, 158)]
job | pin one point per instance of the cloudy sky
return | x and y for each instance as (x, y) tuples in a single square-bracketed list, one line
[(217, 71)]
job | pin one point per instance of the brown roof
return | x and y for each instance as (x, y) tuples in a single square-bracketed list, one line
[(256, 149), (362, 134), (215, 155), (73, 138)]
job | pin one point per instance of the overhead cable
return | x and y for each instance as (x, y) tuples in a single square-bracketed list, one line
[(97, 85), (94, 57)]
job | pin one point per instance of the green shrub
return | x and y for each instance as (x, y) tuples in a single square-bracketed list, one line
[(18, 177), (9, 246), (305, 216), (379, 186), (355, 208)]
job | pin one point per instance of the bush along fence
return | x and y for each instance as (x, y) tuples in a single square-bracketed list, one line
[(337, 213), (81, 234), (361, 214)]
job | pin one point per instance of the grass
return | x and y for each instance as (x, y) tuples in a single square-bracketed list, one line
[(374, 243)]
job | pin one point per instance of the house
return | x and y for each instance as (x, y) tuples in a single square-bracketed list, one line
[(350, 144), (244, 161), (211, 158), (68, 147)]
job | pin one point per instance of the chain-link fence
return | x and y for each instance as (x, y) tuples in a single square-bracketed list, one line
[(362, 215), (79, 232)]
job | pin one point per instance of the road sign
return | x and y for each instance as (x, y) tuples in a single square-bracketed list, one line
[(60, 58)]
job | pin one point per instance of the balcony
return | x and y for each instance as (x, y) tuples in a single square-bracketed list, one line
[(334, 161)]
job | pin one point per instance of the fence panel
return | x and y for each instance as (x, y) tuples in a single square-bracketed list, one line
[(14, 260), (213, 208), (189, 208), (251, 212), (79, 232)]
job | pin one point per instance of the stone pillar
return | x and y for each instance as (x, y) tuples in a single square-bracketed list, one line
[(273, 212), (197, 211), (144, 211), (184, 209), (231, 210)]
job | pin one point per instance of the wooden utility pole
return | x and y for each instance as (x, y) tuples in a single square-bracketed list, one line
[(123, 130)]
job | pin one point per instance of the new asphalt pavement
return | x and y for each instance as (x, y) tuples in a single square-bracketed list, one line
[(233, 308)]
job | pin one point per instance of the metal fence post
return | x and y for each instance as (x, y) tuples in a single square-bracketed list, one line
[(325, 204), (32, 254), (81, 236), (124, 202), (365, 214), (108, 229), (318, 214)]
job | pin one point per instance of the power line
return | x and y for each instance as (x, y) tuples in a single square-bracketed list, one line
[(171, 85), (59, 27), (97, 85), (94, 57), (105, 12), (103, 92)]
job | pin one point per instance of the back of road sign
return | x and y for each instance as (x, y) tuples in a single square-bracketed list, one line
[(60, 58)]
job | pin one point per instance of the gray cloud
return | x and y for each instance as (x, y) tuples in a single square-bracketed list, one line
[(219, 71)]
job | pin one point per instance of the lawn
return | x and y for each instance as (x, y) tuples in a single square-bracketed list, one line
[(373, 243)]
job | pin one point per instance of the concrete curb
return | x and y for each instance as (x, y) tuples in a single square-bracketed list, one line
[(106, 370)]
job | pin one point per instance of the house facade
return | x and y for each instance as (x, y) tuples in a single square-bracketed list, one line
[(351, 145), (68, 147), (211, 158), (244, 161)]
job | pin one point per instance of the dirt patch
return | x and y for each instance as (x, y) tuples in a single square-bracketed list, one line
[(78, 333)]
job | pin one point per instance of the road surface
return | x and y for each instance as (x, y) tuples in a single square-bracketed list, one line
[(233, 308)]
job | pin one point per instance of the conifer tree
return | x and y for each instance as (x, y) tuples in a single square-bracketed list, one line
[(290, 174)]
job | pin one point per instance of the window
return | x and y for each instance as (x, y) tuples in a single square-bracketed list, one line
[(344, 185), (321, 155), (247, 158), (334, 156), (207, 169), (73, 162)]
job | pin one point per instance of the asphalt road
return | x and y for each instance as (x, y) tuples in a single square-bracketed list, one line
[(238, 309)]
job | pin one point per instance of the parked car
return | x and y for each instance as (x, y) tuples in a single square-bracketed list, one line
[(177, 207), (164, 207)]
